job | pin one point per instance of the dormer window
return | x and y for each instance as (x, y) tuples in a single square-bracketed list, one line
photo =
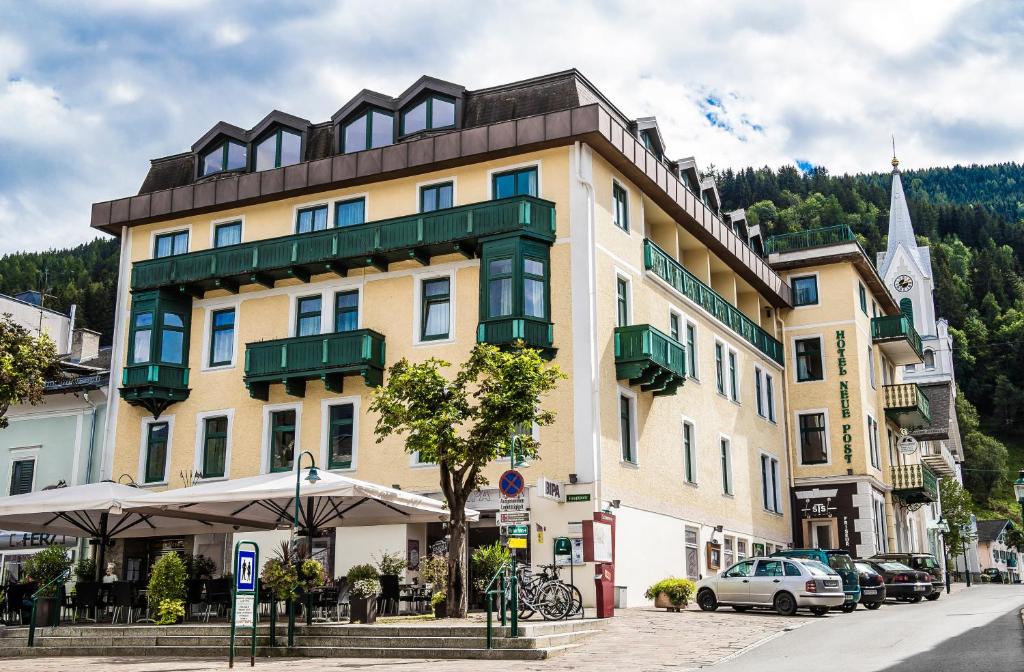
[(650, 144), (371, 129), (229, 155), (431, 113), (281, 148)]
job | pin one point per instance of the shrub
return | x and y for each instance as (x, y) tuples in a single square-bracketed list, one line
[(200, 566), (391, 564), (366, 588), (85, 569), (678, 591), (486, 561), (434, 570), (170, 611), (47, 565), (360, 572), (310, 574), (280, 578), (985, 578), (437, 598), (167, 581)]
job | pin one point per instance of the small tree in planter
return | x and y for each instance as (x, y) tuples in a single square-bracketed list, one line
[(671, 594), (280, 579), (486, 560), (45, 566), (85, 569), (167, 589), (434, 572), (311, 576), (365, 582), (439, 603)]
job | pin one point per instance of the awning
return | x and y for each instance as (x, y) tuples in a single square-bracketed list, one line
[(269, 499)]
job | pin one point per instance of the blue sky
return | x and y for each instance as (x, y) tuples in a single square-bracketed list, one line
[(89, 92)]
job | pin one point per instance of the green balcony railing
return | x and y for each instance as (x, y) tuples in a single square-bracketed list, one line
[(907, 405), (915, 484), (686, 283), (379, 243), (649, 358), (504, 331), (896, 327), (327, 357), (154, 386), (811, 238)]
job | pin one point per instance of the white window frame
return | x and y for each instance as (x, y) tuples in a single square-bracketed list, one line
[(828, 437), (419, 278), (725, 441), (695, 547), (772, 473), (878, 514), (325, 430), (143, 444), (268, 409), (633, 429), (225, 220), (871, 367), (874, 452), (681, 320), (200, 444), (628, 279), (23, 454), (688, 422), (515, 166), (208, 312), (722, 389), (430, 183), (169, 229), (332, 222), (326, 296)]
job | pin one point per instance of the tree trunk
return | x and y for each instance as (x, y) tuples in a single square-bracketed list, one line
[(457, 597)]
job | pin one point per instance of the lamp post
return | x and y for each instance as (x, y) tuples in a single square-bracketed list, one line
[(943, 527), (1018, 489), (312, 477)]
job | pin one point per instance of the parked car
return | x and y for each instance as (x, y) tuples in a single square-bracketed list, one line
[(901, 582), (872, 585), (996, 575), (840, 561), (922, 562), (774, 583)]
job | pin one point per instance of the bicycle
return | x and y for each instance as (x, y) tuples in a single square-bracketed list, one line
[(540, 594)]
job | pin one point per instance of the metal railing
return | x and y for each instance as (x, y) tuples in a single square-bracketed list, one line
[(892, 327), (35, 598), (915, 477), (504, 577), (811, 238)]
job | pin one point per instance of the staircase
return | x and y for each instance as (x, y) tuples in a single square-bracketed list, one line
[(536, 641)]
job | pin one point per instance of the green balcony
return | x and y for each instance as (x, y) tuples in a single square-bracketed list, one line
[(915, 484), (154, 386), (907, 406), (810, 239), (417, 237), (326, 357), (507, 331), (896, 336), (649, 358), (671, 271)]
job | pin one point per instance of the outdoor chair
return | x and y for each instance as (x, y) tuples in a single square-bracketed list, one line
[(266, 599), (389, 595), (87, 596), (13, 607), (218, 594), (121, 598), (193, 596), (341, 607), (324, 601)]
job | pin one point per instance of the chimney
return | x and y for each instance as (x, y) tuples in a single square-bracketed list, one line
[(85, 345)]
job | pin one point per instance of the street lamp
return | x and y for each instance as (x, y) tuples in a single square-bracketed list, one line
[(312, 477), (1018, 489)]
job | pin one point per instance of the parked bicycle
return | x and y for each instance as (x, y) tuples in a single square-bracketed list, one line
[(547, 594)]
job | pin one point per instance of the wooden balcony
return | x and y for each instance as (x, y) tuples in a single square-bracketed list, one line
[(649, 358), (507, 331), (915, 484), (906, 405), (896, 336), (326, 357), (154, 386)]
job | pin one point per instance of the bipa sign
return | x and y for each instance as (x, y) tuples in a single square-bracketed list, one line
[(553, 490)]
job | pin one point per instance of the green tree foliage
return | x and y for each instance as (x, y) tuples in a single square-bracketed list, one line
[(26, 363), (463, 424), (167, 582), (957, 508)]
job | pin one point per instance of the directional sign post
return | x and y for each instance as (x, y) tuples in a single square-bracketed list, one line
[(245, 597), (519, 530)]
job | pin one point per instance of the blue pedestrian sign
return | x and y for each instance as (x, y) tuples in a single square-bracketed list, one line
[(245, 572), (511, 483)]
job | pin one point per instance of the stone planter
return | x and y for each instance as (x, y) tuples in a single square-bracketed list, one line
[(47, 612), (662, 602), (364, 609)]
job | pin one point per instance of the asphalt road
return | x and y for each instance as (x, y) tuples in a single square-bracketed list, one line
[(977, 629)]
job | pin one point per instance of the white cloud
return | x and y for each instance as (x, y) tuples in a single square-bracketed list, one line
[(230, 34)]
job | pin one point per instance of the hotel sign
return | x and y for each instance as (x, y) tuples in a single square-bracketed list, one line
[(844, 396)]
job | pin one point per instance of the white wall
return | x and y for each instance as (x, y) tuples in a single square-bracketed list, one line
[(648, 547), (358, 545)]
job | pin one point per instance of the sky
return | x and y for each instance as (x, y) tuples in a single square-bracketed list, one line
[(90, 92)]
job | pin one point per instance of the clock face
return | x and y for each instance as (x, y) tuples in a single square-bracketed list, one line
[(903, 283)]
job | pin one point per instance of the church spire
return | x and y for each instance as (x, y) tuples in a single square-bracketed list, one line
[(901, 230)]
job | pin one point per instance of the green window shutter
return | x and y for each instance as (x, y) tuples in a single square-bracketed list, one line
[(907, 308), (22, 472)]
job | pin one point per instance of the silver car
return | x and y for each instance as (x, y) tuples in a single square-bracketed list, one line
[(783, 584)]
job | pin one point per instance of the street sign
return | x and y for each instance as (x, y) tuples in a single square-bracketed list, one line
[(511, 483), (507, 518), (907, 445), (581, 497), (513, 504), (518, 530), (517, 542), (245, 572), (244, 610), (244, 597)]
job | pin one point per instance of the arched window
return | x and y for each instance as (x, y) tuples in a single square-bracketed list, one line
[(907, 308), (282, 147), (929, 359)]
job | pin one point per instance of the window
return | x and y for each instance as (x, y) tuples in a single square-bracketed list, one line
[(808, 360), (741, 549), (368, 131), (726, 467), (720, 368), (770, 493), (280, 148), (759, 391), (350, 212), (805, 290), (689, 454), (620, 206), (874, 308), (435, 309), (436, 197), (792, 570), (215, 446), (340, 441), (534, 284), (881, 542), (430, 113), (307, 316), (691, 350), (871, 367), (876, 456), (228, 233), (520, 182), (892, 445), (691, 539), (622, 301), (172, 339), (22, 475), (143, 338), (311, 219), (499, 287), (734, 388), (673, 326), (769, 396), (156, 452), (346, 311), (863, 297), (742, 569), (222, 337), (907, 308), (170, 244), (929, 359), (282, 440), (813, 449), (228, 155), (626, 429)]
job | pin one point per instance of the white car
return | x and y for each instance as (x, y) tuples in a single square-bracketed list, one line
[(783, 584)]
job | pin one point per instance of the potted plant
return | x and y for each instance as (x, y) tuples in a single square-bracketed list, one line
[(365, 582), (671, 594), (434, 573), (311, 575), (200, 566), (45, 566), (167, 589), (85, 569), (280, 580), (485, 561), (439, 603)]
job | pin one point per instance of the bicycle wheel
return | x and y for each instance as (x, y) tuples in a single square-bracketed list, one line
[(554, 601), (577, 601)]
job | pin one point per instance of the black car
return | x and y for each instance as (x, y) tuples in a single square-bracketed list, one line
[(901, 582), (996, 575), (922, 562), (872, 585)]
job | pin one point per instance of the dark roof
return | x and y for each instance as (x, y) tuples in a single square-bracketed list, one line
[(169, 172), (940, 398), (989, 530)]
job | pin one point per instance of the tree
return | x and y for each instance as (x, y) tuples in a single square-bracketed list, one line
[(463, 424), (26, 363), (957, 509)]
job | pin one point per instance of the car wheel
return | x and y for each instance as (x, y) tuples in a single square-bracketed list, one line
[(819, 611), (739, 608), (872, 605), (915, 599), (706, 600), (785, 604), (933, 597), (849, 607)]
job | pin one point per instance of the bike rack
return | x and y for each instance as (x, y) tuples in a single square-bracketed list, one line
[(499, 578)]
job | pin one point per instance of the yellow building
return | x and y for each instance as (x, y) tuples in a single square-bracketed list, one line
[(270, 276)]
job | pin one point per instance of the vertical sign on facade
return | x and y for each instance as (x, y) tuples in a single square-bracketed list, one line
[(844, 395)]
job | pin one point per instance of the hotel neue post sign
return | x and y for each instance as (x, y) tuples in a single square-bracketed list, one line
[(844, 396)]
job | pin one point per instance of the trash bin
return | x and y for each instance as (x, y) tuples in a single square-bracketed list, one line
[(620, 597)]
